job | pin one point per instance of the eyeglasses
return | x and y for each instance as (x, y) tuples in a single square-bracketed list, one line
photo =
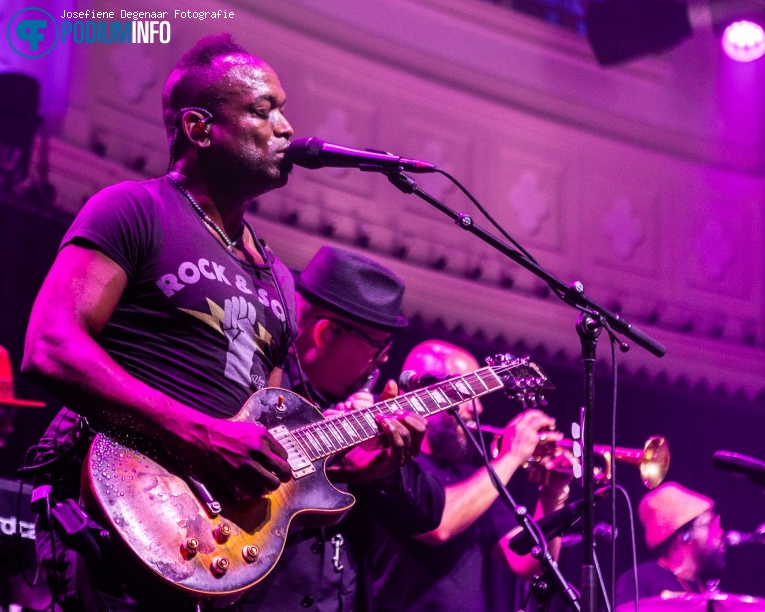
[(712, 520), (381, 346)]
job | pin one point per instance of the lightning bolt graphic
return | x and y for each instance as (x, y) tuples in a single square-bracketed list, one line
[(263, 339), (214, 319)]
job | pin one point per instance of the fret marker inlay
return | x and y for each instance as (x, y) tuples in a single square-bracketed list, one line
[(439, 396), (462, 387), (416, 403)]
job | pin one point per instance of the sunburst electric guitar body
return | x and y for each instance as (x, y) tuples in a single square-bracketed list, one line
[(200, 536)]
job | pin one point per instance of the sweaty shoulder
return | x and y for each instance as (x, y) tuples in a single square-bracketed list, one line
[(121, 221)]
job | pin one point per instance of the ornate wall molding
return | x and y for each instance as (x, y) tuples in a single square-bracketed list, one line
[(517, 312), (540, 322), (510, 58), (668, 235)]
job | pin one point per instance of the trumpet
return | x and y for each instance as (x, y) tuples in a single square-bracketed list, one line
[(652, 460)]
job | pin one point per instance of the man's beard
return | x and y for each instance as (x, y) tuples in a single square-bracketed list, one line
[(711, 564), (248, 177), (447, 441)]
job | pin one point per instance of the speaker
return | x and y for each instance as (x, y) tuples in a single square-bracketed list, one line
[(17, 555)]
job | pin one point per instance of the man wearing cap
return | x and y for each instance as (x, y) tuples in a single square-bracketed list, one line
[(684, 533), (347, 308)]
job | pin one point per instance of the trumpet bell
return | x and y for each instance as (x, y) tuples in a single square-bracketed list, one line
[(654, 462)]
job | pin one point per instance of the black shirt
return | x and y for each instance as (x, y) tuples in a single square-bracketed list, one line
[(652, 580), (458, 575), (194, 321), (307, 577)]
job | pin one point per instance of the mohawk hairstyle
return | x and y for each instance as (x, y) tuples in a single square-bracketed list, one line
[(193, 80), (208, 48)]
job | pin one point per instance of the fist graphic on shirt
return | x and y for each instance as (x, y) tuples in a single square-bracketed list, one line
[(239, 327)]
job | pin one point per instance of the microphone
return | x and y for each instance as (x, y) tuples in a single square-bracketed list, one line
[(314, 153), (752, 468), (602, 531), (553, 524), (736, 538), (371, 380), (411, 380)]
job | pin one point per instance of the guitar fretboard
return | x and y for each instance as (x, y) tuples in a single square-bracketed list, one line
[(346, 430)]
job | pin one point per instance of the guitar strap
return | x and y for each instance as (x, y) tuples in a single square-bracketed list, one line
[(290, 308), (41, 464)]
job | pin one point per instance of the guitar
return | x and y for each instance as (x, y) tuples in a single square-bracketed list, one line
[(216, 545)]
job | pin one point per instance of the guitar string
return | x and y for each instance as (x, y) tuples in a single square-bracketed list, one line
[(471, 379), (324, 444), (423, 395)]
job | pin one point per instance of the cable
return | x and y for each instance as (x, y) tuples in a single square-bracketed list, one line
[(491, 220), (560, 294), (600, 578), (613, 465), (634, 548), (502, 490), (484, 451)]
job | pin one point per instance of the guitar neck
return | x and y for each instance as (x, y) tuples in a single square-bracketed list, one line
[(345, 431)]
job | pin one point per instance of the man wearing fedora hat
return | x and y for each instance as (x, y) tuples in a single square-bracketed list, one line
[(684, 533), (348, 306)]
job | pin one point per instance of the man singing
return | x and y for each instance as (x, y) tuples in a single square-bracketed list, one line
[(163, 311)]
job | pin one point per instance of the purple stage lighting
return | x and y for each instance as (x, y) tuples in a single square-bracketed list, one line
[(744, 41)]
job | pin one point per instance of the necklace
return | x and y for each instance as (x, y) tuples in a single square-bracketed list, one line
[(230, 244)]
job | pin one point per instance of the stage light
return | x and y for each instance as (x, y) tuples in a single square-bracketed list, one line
[(620, 30), (744, 41)]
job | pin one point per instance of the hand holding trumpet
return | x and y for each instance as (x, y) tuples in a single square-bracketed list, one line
[(531, 434), (524, 433), (530, 440), (555, 454)]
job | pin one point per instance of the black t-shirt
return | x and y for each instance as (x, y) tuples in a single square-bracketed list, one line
[(458, 575), (306, 577), (652, 580), (194, 321)]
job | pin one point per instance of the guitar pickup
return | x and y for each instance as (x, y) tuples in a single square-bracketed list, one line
[(297, 458)]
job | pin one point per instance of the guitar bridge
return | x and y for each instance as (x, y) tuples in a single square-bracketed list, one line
[(299, 462)]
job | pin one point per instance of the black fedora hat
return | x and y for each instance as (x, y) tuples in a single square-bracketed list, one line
[(355, 286)]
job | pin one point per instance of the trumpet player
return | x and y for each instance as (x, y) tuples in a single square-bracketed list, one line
[(461, 564)]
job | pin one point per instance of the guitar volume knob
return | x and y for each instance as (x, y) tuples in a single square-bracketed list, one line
[(190, 546), (222, 532), (219, 565), (250, 553)]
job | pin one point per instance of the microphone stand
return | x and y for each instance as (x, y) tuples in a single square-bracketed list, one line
[(552, 580), (592, 319)]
